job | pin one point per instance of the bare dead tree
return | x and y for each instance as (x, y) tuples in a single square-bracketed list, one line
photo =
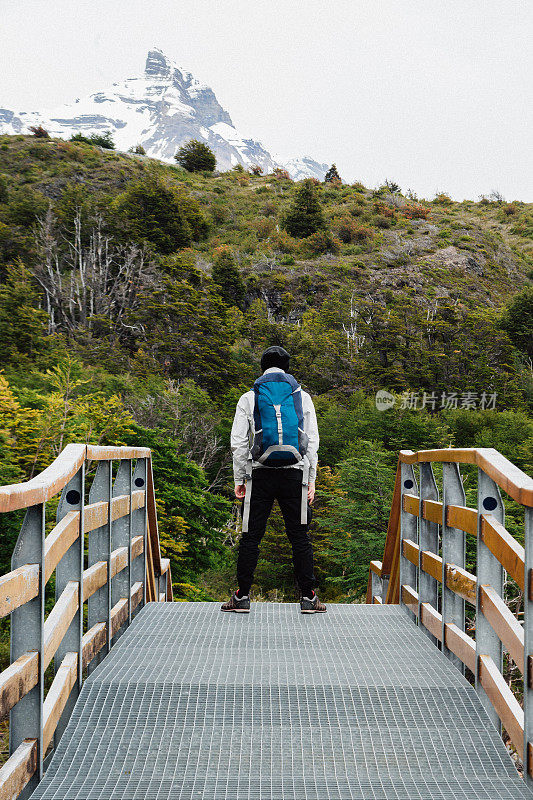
[(81, 281)]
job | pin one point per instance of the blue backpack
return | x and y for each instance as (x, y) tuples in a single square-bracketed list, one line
[(279, 439)]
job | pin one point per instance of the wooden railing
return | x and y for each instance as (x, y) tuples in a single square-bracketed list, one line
[(104, 554), (423, 569)]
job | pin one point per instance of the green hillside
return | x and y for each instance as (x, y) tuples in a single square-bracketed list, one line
[(136, 299)]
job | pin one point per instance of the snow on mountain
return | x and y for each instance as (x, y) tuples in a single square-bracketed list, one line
[(299, 168), (161, 110)]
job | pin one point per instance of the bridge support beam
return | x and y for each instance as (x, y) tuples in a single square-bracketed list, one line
[(139, 521), (70, 568), (489, 572), (453, 552), (122, 536), (409, 530), (99, 604), (428, 587), (27, 634)]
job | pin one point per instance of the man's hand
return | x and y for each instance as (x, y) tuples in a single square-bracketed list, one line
[(311, 492), (240, 490)]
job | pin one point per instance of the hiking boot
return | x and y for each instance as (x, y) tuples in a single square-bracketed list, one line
[(239, 604), (312, 605)]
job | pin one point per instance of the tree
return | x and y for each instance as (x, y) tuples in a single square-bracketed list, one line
[(332, 175), (517, 320), (187, 332), (228, 278), (196, 156), (94, 280), (138, 150), (39, 132), (104, 140), (192, 519), (161, 214), (9, 472), (392, 186), (354, 523), (304, 216), (22, 325)]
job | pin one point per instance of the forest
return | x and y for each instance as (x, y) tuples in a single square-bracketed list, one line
[(136, 298)]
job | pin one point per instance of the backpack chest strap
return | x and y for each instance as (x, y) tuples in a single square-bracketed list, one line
[(277, 409)]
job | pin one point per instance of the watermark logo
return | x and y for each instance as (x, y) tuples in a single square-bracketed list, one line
[(384, 400), (433, 401)]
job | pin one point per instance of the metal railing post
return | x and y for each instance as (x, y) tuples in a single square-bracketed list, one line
[(489, 571), (375, 582), (120, 584), (27, 626), (528, 649), (428, 588), (140, 525), (408, 530), (453, 552), (70, 568), (98, 605)]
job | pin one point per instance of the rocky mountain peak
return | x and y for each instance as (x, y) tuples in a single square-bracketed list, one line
[(157, 65), (160, 110)]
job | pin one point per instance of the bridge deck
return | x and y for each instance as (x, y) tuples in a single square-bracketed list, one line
[(275, 705)]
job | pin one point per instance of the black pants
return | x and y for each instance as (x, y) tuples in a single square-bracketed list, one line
[(285, 486)]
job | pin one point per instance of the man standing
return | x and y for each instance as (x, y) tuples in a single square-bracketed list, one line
[(274, 441)]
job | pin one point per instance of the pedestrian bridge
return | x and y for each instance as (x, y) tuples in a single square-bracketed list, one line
[(389, 699)]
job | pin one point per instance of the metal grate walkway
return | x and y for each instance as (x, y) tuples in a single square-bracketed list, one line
[(355, 704)]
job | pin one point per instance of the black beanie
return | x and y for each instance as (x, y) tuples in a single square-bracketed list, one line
[(275, 357)]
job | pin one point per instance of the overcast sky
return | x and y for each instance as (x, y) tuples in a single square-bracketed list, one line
[(435, 94)]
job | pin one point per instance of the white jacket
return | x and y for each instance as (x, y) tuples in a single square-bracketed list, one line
[(242, 433)]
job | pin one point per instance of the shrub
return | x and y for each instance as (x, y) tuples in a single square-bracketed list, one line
[(415, 212), (284, 243), (385, 210), (264, 227), (282, 174), (256, 169), (382, 221), (104, 140), (219, 213), (138, 150), (4, 192), (523, 226), (304, 216), (269, 209), (442, 199), (321, 242), (348, 231), (195, 156), (510, 209), (39, 132)]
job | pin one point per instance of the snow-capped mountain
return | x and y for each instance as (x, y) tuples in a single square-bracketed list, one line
[(161, 110)]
